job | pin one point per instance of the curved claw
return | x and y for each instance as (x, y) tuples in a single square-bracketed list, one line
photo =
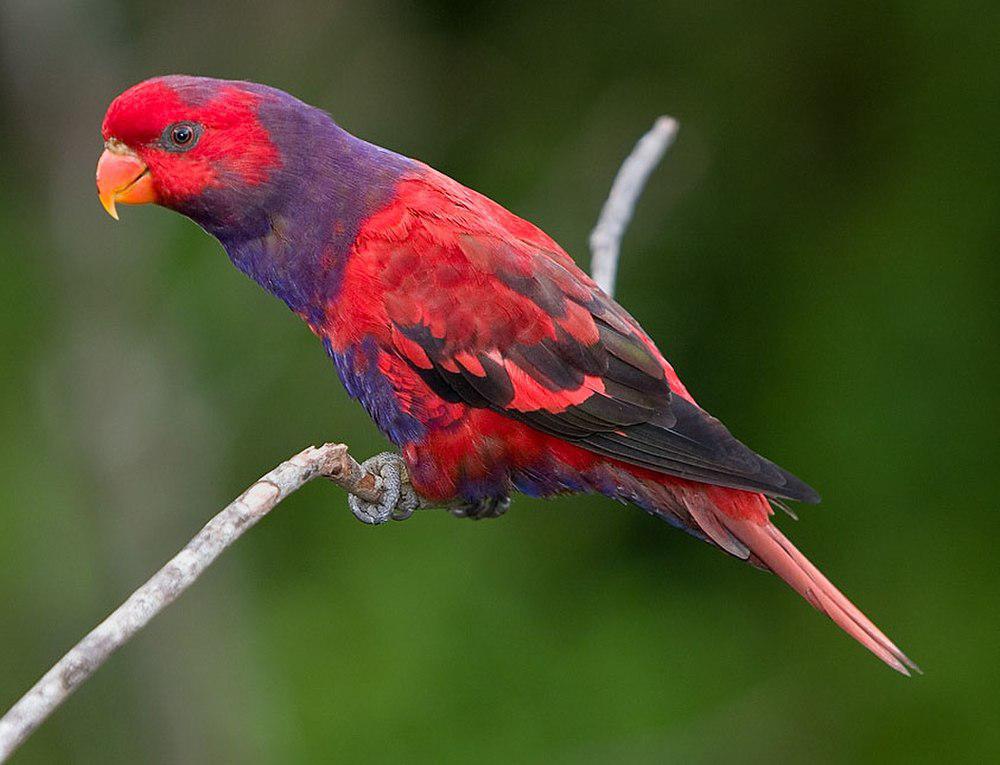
[(397, 500), (490, 507)]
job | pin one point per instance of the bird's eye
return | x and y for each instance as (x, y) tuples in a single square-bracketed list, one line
[(181, 136)]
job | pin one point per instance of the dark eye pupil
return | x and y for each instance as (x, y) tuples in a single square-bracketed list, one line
[(182, 134)]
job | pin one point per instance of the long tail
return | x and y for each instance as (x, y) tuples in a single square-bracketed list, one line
[(744, 529), (739, 522), (770, 547)]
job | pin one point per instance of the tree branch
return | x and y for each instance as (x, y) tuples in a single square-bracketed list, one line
[(606, 238), (330, 461)]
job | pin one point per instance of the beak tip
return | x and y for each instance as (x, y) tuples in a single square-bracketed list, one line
[(109, 206)]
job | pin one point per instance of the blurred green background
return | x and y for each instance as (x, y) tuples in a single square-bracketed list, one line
[(817, 256)]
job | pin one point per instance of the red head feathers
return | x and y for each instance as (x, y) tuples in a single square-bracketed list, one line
[(187, 134)]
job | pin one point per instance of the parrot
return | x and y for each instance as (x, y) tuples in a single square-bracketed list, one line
[(482, 352)]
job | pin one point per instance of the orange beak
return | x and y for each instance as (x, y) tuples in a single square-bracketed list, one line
[(123, 177)]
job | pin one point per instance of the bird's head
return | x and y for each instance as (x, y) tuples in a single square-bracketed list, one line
[(201, 146)]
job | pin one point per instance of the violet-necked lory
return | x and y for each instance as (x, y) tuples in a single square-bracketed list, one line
[(472, 339)]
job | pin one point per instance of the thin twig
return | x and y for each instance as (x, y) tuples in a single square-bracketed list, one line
[(606, 238), (331, 461)]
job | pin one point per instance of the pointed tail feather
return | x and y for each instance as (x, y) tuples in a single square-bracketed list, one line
[(769, 545)]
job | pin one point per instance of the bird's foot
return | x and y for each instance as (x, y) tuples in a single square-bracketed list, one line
[(398, 500), (490, 507)]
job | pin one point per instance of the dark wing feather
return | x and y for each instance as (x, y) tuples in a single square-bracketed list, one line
[(636, 419)]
